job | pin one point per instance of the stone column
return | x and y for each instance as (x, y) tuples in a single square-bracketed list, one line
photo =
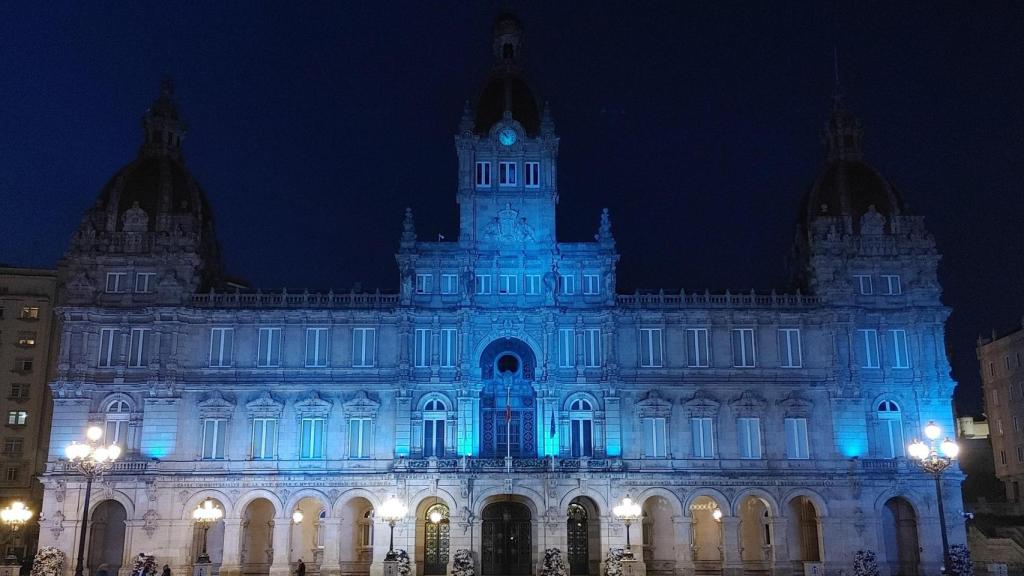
[(781, 566), (684, 540), (331, 565), (231, 562), (281, 531), (732, 562)]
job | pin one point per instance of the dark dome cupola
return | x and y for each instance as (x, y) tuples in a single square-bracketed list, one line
[(506, 90)]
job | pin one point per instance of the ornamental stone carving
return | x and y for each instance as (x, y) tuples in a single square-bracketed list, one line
[(508, 226), (215, 406)]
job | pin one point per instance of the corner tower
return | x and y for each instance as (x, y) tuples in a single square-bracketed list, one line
[(149, 237)]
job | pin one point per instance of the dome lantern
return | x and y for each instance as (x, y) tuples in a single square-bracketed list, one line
[(163, 129)]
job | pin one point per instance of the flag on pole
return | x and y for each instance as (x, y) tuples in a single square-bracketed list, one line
[(551, 432), (508, 405)]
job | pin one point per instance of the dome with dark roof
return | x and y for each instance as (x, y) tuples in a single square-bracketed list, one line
[(506, 90)]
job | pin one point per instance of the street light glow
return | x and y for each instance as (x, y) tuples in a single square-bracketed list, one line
[(932, 431), (94, 433)]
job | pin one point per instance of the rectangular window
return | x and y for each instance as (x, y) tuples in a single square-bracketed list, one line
[(532, 174), (868, 348), (364, 347), (311, 436), (17, 445), (137, 350), (106, 358), (507, 284), (483, 174), (17, 418), (582, 437), (359, 438), (591, 284), (592, 347), (269, 348), (566, 348), (796, 439), (1016, 424), (900, 357), (12, 474), (316, 347), (421, 356), (743, 348), (864, 285), (697, 355), (532, 284), (424, 283), (483, 284), (567, 284), (264, 438), (650, 348), (448, 341), (221, 341), (19, 391), (433, 438), (117, 282), (1002, 457), (891, 285), (144, 282), (507, 174), (28, 313), (891, 436), (26, 339), (23, 365), (999, 426), (749, 437), (1006, 362), (115, 432), (449, 284), (654, 438), (995, 397), (213, 438), (789, 348), (1020, 454), (703, 438)]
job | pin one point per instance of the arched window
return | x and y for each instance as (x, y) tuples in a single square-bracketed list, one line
[(115, 430), (434, 414), (581, 420), (890, 429)]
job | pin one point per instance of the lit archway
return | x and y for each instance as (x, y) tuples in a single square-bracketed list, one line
[(107, 537), (257, 537)]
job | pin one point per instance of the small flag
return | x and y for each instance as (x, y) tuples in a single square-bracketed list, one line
[(508, 408), (551, 432), (440, 237)]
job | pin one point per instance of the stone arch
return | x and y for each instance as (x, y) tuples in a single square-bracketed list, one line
[(108, 535), (342, 500), (719, 498), (594, 402), (422, 402), (668, 495), (531, 498), (197, 498), (248, 497), (293, 500), (770, 501), (889, 493), (599, 502), (821, 507), (583, 532), (520, 516), (259, 511), (117, 496), (900, 535), (521, 345), (133, 406), (755, 509), (427, 495)]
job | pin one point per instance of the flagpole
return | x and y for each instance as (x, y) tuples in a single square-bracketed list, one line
[(508, 420)]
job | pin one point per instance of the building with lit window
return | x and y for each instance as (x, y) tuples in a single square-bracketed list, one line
[(1002, 381), (506, 392), (26, 329)]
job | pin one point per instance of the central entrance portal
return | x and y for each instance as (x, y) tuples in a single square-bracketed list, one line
[(508, 420), (507, 540)]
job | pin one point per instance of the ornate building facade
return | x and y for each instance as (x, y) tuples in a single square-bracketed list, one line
[(506, 386)]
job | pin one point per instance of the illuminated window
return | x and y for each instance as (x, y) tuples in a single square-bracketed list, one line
[(868, 348), (311, 436), (26, 339), (448, 342), (591, 284), (221, 341), (434, 422), (789, 348), (743, 355), (107, 345), (449, 284), (891, 285), (421, 345), (115, 430), (483, 284), (796, 439), (654, 438), (697, 354), (316, 347), (592, 347), (144, 282), (566, 348), (508, 284), (900, 356), (532, 174), (890, 429), (650, 348), (269, 353), (864, 285), (364, 345), (17, 418), (483, 174), (507, 174), (703, 437), (138, 349), (264, 438), (359, 437), (749, 436), (424, 283), (214, 433), (117, 282), (532, 284), (29, 313), (567, 284), (581, 420)]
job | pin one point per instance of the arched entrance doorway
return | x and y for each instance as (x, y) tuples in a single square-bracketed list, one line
[(436, 539), (306, 538), (214, 538), (106, 537), (755, 534), (508, 419), (659, 536), (706, 530), (899, 529), (804, 531), (356, 536), (258, 537), (583, 530), (507, 539)]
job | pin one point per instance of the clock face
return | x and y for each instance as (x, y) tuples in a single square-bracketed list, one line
[(507, 136)]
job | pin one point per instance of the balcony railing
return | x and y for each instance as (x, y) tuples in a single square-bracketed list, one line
[(285, 299), (662, 299)]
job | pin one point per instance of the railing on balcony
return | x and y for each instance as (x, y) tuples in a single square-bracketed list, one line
[(285, 299), (662, 299), (468, 464)]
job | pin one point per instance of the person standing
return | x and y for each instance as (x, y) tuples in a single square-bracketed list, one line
[(166, 571), (301, 571)]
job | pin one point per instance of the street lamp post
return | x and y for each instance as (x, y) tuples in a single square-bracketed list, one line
[(91, 460), (934, 458), (392, 511), (14, 517), (205, 514), (628, 512)]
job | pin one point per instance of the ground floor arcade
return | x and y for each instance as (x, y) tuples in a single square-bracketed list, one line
[(689, 526)]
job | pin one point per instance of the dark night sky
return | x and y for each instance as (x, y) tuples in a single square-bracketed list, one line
[(699, 127)]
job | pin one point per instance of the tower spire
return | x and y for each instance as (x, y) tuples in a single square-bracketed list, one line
[(843, 131), (163, 129)]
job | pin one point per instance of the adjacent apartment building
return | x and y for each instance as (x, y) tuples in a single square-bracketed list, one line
[(1002, 379), (26, 321)]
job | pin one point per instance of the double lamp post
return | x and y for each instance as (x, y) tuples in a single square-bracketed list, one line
[(935, 457)]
